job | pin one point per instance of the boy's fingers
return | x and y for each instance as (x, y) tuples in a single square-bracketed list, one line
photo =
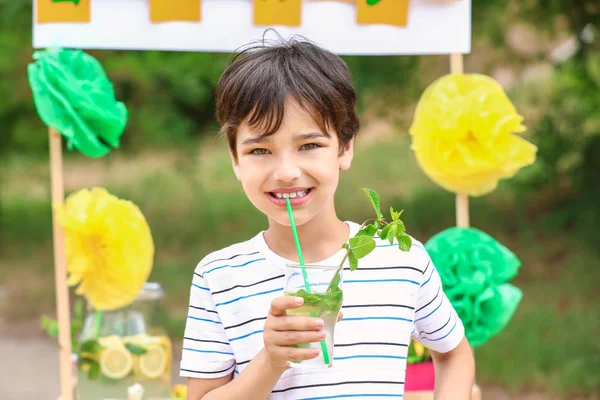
[(290, 338), (296, 323), (340, 316), (295, 354), (282, 303)]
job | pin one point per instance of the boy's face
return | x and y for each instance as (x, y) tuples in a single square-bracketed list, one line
[(299, 160)]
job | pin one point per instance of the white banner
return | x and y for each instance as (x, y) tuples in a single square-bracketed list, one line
[(434, 27)]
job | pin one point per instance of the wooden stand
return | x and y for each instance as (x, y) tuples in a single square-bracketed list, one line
[(462, 220), (462, 200), (60, 268)]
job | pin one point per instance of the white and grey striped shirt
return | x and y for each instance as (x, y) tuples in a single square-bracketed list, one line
[(392, 296)]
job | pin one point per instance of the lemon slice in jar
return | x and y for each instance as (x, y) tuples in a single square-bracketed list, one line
[(153, 363), (116, 362), (110, 341)]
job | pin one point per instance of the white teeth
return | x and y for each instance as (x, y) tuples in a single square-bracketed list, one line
[(301, 193)]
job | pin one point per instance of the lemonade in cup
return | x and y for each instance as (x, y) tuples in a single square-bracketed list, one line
[(320, 301)]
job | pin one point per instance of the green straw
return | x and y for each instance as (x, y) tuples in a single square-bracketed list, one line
[(304, 275)]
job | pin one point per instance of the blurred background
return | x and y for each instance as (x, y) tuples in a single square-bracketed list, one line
[(172, 164)]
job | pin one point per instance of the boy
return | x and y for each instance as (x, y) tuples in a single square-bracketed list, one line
[(287, 112)]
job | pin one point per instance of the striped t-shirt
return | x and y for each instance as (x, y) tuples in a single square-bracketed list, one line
[(391, 297)]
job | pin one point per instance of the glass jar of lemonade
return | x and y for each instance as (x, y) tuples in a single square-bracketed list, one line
[(124, 347)]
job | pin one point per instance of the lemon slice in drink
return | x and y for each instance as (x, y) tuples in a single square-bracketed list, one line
[(116, 362), (154, 362)]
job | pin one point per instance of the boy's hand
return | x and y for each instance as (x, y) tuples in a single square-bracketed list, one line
[(282, 331)]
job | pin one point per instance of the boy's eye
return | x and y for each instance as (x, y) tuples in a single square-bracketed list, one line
[(309, 146), (259, 152)]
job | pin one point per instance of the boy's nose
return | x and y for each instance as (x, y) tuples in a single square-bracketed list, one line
[(286, 171)]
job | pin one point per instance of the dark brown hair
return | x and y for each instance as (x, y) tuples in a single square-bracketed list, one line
[(260, 78)]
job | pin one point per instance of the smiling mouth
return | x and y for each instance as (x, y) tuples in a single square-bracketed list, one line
[(293, 195)]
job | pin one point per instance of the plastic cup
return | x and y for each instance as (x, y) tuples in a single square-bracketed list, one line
[(319, 303)]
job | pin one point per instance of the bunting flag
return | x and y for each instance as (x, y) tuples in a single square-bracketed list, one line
[(387, 12), (56, 11), (277, 12), (175, 10)]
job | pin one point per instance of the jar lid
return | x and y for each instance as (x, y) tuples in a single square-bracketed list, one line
[(151, 291)]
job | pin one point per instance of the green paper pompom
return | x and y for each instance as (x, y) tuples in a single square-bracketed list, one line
[(73, 95), (474, 268)]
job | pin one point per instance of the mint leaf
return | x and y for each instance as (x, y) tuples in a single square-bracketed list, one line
[(398, 226), (92, 366), (335, 283), (389, 232), (333, 302), (135, 349), (353, 260), (94, 371), (91, 346), (392, 234), (53, 330), (50, 326), (369, 230), (361, 246), (374, 197), (404, 241), (46, 322), (384, 232), (395, 215), (81, 361), (310, 299)]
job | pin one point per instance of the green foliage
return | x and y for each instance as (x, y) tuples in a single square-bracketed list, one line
[(568, 137), (385, 74)]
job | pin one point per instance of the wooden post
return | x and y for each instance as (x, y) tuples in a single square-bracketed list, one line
[(60, 268), (462, 200)]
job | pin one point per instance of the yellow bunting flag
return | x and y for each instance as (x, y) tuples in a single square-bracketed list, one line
[(175, 10), (277, 12), (388, 12), (52, 11)]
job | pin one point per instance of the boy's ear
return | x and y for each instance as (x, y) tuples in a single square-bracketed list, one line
[(346, 157), (235, 165)]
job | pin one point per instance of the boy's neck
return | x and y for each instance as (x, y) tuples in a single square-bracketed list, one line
[(320, 238)]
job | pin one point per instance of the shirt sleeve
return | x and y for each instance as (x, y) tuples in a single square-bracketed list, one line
[(437, 325), (206, 350)]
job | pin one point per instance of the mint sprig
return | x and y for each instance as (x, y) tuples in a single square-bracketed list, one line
[(363, 243)]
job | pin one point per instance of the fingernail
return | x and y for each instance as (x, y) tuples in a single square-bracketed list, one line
[(322, 334), (320, 323), (315, 352), (299, 300)]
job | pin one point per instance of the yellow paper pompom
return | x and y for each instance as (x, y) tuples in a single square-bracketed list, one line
[(464, 134), (108, 245)]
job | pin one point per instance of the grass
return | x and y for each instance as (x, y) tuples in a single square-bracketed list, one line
[(194, 205)]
